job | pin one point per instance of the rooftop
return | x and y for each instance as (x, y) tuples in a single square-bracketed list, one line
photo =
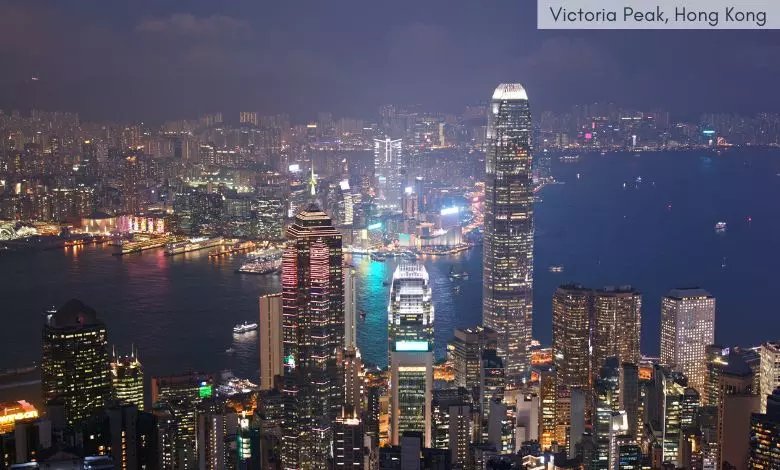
[(510, 91)]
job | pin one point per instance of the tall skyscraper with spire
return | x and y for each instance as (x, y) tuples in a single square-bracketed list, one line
[(508, 239), (313, 334)]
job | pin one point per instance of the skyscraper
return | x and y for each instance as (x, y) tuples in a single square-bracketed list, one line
[(571, 335), (313, 333), (508, 240), (74, 366), (348, 440), (687, 327), (410, 334), (127, 379), (765, 435), (770, 371), (387, 171), (617, 325), (270, 339)]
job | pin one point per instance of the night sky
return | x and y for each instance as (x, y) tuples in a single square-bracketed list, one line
[(157, 60)]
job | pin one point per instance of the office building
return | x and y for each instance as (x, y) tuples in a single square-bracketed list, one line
[(765, 435), (387, 171), (617, 325), (176, 399), (127, 379), (75, 362), (348, 449), (769, 377), (507, 303), (465, 351), (313, 334), (736, 403), (571, 335), (410, 334), (270, 339), (687, 328)]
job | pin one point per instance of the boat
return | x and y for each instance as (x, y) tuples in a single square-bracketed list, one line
[(378, 257), (456, 289), (458, 275), (267, 262), (362, 315), (385, 283), (244, 327), (230, 351), (720, 227), (192, 244), (556, 269)]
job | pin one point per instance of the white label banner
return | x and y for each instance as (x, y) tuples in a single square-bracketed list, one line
[(658, 14)]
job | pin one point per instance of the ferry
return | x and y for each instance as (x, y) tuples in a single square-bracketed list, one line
[(192, 244), (569, 158), (266, 262), (556, 269), (460, 275), (244, 328), (720, 227), (378, 257)]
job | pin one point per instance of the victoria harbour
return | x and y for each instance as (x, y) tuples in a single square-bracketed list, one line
[(646, 220)]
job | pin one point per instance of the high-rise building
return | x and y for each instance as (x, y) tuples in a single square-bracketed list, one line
[(617, 325), (348, 440), (270, 339), (410, 334), (313, 334), (765, 435), (387, 171), (175, 399), (687, 328), (508, 241), (629, 397), (127, 379), (736, 403), (465, 351), (571, 335), (74, 366), (769, 378)]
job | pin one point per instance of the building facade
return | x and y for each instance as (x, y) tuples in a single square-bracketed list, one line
[(313, 334), (508, 239), (687, 328), (75, 362)]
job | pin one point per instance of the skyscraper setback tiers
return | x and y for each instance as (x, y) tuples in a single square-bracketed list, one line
[(507, 302), (313, 333)]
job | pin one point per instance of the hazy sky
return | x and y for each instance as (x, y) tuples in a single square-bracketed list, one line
[(168, 59)]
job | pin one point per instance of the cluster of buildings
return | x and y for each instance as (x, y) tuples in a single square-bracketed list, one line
[(591, 401)]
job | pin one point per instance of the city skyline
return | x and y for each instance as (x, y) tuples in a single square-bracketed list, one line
[(441, 239)]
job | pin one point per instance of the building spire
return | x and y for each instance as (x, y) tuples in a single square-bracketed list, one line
[(313, 182)]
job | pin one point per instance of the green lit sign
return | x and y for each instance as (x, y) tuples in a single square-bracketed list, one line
[(375, 226), (411, 345), (205, 390)]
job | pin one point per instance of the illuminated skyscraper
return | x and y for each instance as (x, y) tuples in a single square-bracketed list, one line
[(617, 324), (387, 171), (765, 435), (508, 240), (410, 333), (180, 395), (74, 366), (127, 379), (571, 335), (270, 339), (687, 328), (313, 334), (770, 371)]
